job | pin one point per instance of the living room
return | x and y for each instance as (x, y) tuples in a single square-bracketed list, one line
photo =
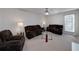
[(39, 29), (43, 29)]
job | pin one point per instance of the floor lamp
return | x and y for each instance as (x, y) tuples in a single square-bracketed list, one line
[(21, 31)]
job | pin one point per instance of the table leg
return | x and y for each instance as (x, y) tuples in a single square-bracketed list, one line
[(46, 38)]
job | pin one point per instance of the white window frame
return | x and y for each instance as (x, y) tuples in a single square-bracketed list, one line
[(73, 20)]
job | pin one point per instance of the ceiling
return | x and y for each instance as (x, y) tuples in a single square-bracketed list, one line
[(52, 11)]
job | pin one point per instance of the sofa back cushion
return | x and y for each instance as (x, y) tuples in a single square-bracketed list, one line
[(32, 28), (56, 26), (5, 35)]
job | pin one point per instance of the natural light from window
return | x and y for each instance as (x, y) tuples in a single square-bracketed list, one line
[(70, 23)]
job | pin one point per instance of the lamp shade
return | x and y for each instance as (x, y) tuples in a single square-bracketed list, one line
[(44, 22), (20, 24)]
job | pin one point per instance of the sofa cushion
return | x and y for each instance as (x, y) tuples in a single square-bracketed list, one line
[(18, 37)]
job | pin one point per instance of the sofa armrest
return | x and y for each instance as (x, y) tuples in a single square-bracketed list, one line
[(16, 40), (16, 43), (1, 43)]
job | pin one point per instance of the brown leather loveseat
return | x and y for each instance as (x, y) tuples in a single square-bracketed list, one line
[(54, 28), (8, 42), (32, 31)]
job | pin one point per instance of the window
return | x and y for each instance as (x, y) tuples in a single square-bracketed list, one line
[(69, 23)]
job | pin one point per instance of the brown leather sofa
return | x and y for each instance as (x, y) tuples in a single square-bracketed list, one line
[(32, 31), (57, 29), (8, 42)]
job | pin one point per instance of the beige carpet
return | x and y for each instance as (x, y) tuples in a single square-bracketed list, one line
[(58, 43)]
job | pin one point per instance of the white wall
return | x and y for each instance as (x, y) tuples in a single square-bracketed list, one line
[(10, 17), (55, 19), (59, 19)]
